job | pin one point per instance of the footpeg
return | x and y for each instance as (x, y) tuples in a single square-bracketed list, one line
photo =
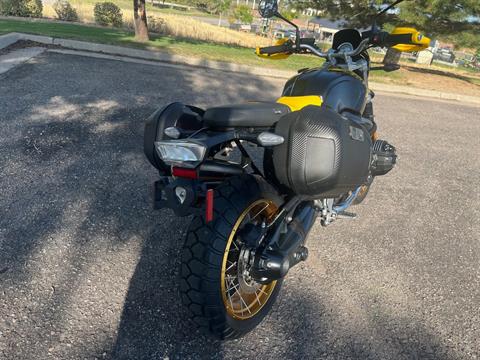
[(346, 215)]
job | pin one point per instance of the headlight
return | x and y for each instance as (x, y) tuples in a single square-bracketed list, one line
[(180, 151)]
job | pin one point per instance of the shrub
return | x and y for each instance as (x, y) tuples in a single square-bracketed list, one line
[(65, 11), (243, 14), (108, 13), (24, 8), (34, 8), (156, 24)]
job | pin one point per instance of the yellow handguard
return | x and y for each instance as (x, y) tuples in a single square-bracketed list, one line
[(414, 40), (273, 55)]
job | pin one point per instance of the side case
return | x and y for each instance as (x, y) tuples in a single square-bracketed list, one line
[(324, 153), (176, 114)]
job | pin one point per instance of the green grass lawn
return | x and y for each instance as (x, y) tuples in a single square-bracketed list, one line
[(186, 47), (169, 44)]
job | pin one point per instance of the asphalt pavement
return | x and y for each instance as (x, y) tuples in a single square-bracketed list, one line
[(88, 269)]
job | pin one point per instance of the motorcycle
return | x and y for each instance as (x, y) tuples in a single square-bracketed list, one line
[(321, 153)]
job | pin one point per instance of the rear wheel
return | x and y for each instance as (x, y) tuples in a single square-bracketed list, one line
[(215, 285)]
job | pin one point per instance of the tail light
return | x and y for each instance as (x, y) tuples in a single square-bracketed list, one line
[(184, 173), (179, 151)]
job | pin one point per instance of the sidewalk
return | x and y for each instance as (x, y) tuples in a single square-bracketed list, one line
[(11, 38)]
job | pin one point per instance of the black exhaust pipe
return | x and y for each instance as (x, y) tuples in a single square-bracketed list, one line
[(285, 249)]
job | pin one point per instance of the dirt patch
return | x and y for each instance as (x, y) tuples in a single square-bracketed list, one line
[(449, 81), (23, 44), (444, 81)]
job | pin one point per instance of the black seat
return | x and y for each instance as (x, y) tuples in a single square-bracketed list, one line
[(262, 114)]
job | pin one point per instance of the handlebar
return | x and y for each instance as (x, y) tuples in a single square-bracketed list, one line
[(395, 39), (386, 39), (287, 47), (307, 44)]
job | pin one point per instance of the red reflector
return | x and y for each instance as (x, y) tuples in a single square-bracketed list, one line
[(184, 173), (209, 206)]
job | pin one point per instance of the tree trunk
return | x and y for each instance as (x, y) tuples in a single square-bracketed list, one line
[(140, 20), (220, 19)]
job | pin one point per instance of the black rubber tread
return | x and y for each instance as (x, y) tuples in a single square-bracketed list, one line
[(202, 258)]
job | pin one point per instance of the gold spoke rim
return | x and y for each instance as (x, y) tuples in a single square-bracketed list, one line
[(239, 303)]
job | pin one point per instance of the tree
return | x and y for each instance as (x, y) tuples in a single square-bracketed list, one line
[(219, 7), (243, 14), (441, 18), (288, 14), (355, 13), (140, 20)]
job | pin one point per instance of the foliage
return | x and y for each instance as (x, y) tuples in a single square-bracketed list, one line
[(24, 8), (358, 13), (437, 18), (243, 14), (219, 6), (441, 16), (108, 13), (65, 11), (445, 18), (201, 4), (34, 8), (288, 14), (156, 24), (467, 39)]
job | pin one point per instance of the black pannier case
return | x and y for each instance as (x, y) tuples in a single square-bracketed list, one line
[(324, 154), (174, 114)]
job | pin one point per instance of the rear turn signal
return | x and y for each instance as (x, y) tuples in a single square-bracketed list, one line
[(184, 173), (209, 206)]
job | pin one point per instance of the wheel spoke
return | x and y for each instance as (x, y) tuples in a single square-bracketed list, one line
[(234, 287), (231, 266), (258, 299), (236, 246), (253, 218), (243, 301), (263, 292), (230, 299), (242, 296)]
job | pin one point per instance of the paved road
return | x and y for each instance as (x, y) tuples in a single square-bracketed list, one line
[(88, 270)]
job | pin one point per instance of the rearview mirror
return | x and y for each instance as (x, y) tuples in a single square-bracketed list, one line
[(268, 8)]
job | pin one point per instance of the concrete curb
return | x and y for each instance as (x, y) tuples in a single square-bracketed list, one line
[(17, 57), (8, 39), (144, 54)]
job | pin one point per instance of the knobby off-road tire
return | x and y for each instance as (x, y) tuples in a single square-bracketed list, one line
[(207, 283)]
